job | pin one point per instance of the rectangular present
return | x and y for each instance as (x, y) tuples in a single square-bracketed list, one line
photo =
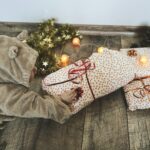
[(140, 58), (98, 75), (137, 94)]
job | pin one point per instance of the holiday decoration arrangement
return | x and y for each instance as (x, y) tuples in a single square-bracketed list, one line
[(100, 74), (94, 77), (47, 38)]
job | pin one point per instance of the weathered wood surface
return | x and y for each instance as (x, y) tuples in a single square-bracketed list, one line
[(85, 29), (104, 125)]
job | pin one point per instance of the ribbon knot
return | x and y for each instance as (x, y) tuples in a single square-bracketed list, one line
[(143, 91), (75, 75), (80, 70)]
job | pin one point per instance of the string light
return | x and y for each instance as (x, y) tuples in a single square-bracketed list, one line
[(64, 60), (100, 50), (76, 42), (143, 60)]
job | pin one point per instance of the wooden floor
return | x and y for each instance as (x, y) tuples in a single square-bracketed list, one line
[(106, 124)]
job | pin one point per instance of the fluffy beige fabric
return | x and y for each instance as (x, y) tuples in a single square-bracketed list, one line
[(17, 60)]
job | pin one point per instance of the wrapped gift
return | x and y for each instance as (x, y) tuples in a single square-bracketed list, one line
[(96, 76), (137, 94), (141, 60)]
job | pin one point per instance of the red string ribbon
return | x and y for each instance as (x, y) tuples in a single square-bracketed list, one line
[(141, 92), (80, 70), (75, 75)]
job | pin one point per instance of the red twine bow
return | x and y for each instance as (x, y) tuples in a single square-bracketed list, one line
[(141, 92), (80, 70), (75, 75)]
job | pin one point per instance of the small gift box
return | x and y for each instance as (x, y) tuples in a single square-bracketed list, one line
[(100, 74), (141, 60), (137, 94)]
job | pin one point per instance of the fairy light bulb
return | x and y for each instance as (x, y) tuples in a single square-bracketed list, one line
[(100, 50), (76, 42), (64, 60), (143, 60)]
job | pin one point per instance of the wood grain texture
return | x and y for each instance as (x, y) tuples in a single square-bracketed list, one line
[(21, 134), (20, 25), (68, 136), (127, 41), (106, 124), (139, 129), (30, 134), (10, 28)]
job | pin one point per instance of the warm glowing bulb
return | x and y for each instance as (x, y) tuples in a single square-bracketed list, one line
[(143, 60), (100, 50), (64, 60), (76, 41)]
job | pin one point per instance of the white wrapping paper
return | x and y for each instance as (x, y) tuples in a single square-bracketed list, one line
[(137, 94), (100, 74), (141, 70)]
